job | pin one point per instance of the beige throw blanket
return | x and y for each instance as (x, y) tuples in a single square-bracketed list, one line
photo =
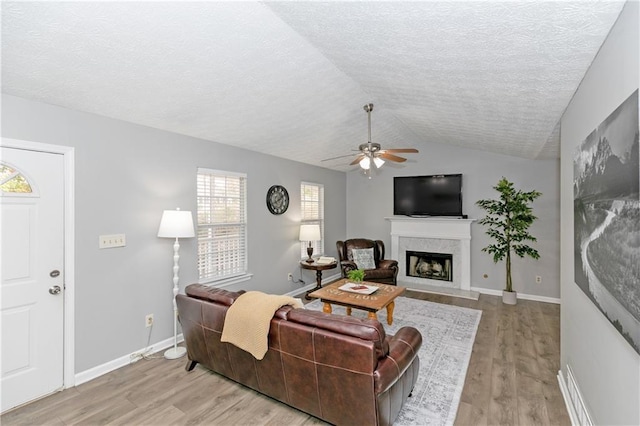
[(249, 317)]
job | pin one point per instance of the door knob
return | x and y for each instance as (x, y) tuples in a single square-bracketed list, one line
[(55, 289)]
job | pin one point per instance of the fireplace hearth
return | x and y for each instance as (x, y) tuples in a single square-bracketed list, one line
[(432, 266)]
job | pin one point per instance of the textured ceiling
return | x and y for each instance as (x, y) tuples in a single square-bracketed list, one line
[(290, 78)]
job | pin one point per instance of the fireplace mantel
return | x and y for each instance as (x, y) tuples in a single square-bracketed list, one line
[(434, 228)]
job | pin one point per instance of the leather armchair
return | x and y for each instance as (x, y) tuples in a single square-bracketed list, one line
[(386, 271)]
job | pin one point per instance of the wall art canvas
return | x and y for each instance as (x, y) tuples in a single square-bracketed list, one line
[(606, 178)]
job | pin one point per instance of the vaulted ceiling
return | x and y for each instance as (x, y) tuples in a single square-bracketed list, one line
[(290, 78)]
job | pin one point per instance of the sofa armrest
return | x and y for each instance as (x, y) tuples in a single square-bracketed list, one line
[(403, 349), (348, 265), (387, 264)]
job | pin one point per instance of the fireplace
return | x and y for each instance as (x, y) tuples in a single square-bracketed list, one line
[(435, 236), (432, 266)]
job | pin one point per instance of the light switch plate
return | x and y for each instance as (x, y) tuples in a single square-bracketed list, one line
[(111, 241)]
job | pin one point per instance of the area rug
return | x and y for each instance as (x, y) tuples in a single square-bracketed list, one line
[(448, 333)]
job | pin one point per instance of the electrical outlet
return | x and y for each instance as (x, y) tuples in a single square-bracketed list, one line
[(538, 279), (148, 320), (290, 276)]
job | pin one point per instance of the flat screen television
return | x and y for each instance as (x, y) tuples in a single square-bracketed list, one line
[(434, 195)]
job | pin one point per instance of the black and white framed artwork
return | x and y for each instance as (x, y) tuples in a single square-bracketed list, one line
[(606, 181)]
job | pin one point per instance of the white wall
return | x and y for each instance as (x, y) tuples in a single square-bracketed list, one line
[(126, 175), (369, 201), (606, 367)]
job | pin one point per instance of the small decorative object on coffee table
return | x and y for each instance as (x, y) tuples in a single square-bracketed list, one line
[(358, 287), (356, 275), (318, 267), (348, 294)]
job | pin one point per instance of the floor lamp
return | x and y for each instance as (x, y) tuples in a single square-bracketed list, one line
[(176, 224)]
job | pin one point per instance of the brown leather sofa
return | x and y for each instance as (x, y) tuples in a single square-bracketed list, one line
[(386, 271), (343, 370)]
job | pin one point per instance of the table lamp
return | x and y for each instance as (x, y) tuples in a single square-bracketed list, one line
[(310, 233)]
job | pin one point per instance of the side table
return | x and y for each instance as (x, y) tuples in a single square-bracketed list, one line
[(314, 266)]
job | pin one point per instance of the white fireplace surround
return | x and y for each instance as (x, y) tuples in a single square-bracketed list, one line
[(438, 235)]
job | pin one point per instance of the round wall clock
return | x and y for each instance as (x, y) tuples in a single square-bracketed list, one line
[(277, 199)]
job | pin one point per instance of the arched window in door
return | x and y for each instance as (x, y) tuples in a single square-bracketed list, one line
[(11, 180)]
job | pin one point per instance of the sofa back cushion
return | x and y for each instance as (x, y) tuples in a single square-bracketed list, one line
[(349, 327), (212, 294)]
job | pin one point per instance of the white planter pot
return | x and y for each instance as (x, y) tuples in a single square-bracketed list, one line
[(509, 297)]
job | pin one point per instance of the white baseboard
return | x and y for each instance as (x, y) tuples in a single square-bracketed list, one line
[(300, 291), (523, 296), (312, 285), (107, 367), (567, 399), (331, 278), (573, 400), (538, 298), (481, 290)]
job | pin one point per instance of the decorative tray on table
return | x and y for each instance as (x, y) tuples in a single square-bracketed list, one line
[(358, 288)]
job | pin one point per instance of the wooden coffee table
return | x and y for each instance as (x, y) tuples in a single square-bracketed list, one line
[(383, 297)]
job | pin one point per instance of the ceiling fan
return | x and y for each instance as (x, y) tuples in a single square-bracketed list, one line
[(371, 154)]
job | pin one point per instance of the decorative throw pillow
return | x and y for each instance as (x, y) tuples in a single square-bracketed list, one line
[(363, 258)]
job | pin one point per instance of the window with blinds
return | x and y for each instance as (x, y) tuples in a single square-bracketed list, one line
[(312, 211), (222, 224)]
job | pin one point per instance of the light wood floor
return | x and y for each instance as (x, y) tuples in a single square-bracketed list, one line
[(511, 380)]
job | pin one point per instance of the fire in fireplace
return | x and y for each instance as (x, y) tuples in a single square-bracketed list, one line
[(433, 266)]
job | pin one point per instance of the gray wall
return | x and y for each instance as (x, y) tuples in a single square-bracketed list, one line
[(607, 369), (126, 175), (369, 201)]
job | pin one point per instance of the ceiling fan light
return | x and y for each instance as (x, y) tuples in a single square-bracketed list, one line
[(365, 163), (378, 162)]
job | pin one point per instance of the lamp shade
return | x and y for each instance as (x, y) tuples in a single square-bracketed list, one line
[(378, 162), (310, 233), (365, 163), (176, 224)]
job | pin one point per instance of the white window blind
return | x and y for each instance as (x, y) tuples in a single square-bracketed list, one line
[(312, 211), (222, 224)]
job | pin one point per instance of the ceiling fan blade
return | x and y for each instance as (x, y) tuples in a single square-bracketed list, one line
[(357, 160), (392, 157), (407, 150), (341, 156)]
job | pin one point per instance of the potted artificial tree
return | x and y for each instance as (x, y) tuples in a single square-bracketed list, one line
[(508, 219)]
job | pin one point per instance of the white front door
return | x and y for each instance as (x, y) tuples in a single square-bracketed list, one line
[(32, 282)]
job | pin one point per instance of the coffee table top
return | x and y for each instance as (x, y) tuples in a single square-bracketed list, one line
[(384, 295)]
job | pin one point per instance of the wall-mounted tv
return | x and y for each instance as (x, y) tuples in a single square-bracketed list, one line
[(434, 195)]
